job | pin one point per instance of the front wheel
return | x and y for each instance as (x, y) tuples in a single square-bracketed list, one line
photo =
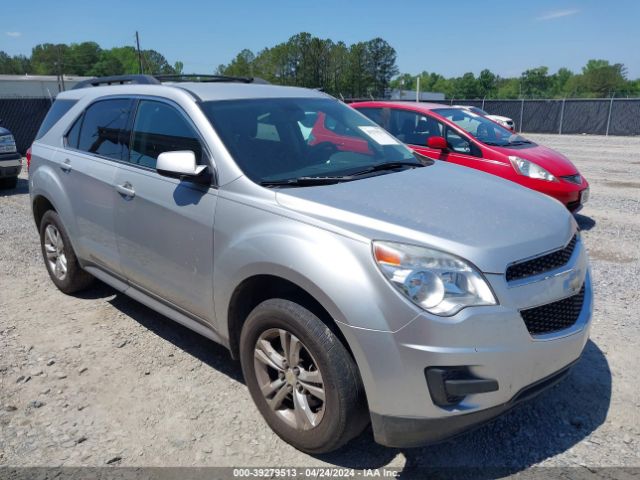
[(301, 377)]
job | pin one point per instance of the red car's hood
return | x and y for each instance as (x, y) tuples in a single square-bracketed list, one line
[(552, 161)]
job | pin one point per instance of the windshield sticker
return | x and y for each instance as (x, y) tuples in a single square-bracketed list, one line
[(379, 136)]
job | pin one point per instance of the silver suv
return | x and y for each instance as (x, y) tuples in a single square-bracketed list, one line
[(355, 282)]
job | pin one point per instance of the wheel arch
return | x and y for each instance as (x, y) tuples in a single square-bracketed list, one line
[(39, 206), (260, 287)]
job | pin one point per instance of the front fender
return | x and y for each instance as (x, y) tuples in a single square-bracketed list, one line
[(339, 272)]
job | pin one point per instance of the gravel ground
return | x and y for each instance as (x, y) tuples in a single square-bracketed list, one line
[(99, 379)]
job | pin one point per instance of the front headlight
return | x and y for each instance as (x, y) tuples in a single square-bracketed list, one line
[(435, 281), (530, 169), (7, 143)]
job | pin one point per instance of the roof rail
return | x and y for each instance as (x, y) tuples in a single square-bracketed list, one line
[(158, 79), (196, 77), (118, 80)]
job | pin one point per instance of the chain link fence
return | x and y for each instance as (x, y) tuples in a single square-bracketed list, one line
[(599, 116), (23, 116)]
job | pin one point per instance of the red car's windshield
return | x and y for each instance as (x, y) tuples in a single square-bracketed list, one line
[(481, 128)]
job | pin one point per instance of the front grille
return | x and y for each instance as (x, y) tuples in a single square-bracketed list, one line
[(577, 179), (542, 264), (555, 316)]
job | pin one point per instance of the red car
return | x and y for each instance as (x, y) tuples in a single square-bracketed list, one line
[(466, 138), (326, 131)]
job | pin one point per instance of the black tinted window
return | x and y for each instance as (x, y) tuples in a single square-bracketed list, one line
[(74, 134), (161, 128), (269, 140), (374, 114), (104, 129), (414, 128), (57, 110)]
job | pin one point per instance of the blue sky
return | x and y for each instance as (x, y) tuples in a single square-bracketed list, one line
[(446, 37)]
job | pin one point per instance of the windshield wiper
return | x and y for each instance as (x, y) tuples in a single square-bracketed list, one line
[(306, 181), (328, 180), (388, 166), (519, 142)]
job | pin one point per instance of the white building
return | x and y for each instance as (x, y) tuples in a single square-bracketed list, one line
[(47, 86), (411, 95)]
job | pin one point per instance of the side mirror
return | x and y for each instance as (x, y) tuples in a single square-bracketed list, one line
[(438, 143), (182, 164)]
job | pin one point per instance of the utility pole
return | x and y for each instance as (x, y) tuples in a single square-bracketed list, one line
[(60, 70), (139, 54)]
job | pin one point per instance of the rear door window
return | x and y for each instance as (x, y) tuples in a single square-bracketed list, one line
[(105, 130), (159, 128), (415, 128)]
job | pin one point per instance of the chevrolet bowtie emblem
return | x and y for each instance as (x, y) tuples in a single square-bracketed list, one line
[(572, 283)]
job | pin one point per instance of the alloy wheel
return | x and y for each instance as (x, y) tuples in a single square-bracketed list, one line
[(54, 251), (289, 379)]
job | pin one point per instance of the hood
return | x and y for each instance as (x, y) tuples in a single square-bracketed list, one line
[(552, 161), (480, 217)]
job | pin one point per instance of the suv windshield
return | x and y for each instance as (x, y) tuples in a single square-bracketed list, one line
[(481, 128), (284, 140)]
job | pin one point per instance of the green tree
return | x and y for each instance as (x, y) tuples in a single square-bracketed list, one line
[(508, 88), (560, 83), (14, 65), (603, 79), (380, 65), (106, 66), (358, 77), (536, 82), (80, 58), (487, 82), (48, 58), (338, 69), (466, 86), (241, 65)]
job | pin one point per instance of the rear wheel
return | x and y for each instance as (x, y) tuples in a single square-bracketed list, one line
[(59, 257), (301, 377)]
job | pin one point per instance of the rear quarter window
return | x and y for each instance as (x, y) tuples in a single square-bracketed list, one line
[(55, 113)]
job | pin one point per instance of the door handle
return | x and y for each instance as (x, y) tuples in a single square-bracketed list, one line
[(66, 165), (126, 190)]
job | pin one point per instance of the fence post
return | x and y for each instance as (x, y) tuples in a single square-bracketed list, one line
[(561, 116), (483, 101), (521, 114), (609, 116)]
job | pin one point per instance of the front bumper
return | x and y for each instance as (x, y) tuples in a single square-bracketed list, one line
[(10, 165), (490, 342), (405, 432), (569, 194)]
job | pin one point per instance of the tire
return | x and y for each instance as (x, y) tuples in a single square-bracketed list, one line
[(57, 251), (336, 420), (9, 183)]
